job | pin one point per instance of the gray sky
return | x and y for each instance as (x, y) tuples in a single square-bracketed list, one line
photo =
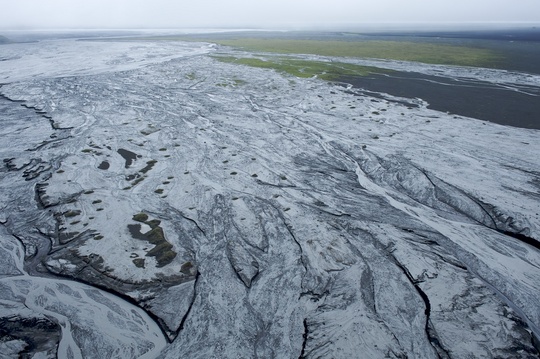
[(256, 13)]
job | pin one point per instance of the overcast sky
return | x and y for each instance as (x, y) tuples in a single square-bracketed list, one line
[(256, 13)]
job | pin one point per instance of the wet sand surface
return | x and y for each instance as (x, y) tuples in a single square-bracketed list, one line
[(470, 98)]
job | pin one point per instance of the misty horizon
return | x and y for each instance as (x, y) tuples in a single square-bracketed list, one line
[(232, 14), (375, 26)]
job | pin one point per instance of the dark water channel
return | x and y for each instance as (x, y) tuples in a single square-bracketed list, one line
[(518, 107)]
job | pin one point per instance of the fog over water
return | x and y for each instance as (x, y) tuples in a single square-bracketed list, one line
[(241, 13)]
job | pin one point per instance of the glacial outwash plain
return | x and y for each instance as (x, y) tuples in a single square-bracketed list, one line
[(265, 196)]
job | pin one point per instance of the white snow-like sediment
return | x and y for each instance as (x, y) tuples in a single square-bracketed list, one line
[(155, 202)]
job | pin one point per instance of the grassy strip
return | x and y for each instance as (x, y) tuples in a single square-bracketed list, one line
[(393, 50), (425, 52), (304, 68)]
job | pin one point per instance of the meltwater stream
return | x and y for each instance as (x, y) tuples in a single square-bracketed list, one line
[(91, 320)]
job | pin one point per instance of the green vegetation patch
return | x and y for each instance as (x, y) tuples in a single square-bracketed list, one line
[(156, 236), (140, 217), (381, 49), (149, 165), (230, 83), (70, 214), (163, 250), (426, 52), (165, 257), (160, 248), (186, 268), (137, 181), (153, 223), (325, 70)]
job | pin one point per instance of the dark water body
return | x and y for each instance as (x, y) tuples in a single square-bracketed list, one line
[(128, 156), (104, 165), (476, 99)]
